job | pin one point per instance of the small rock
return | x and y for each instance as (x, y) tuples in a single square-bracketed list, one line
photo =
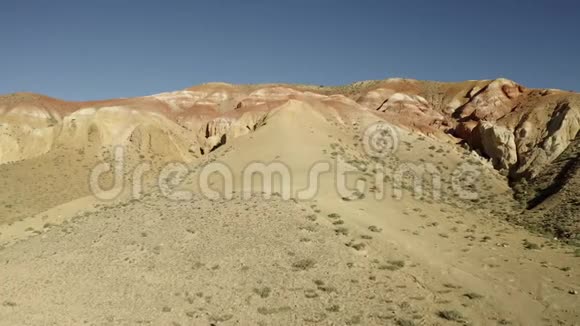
[(573, 292)]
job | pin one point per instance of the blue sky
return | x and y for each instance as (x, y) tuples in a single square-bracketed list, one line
[(80, 50)]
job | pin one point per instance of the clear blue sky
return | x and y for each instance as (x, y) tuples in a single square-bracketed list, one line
[(81, 50)]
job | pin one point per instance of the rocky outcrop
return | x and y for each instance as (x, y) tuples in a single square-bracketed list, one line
[(491, 102), (541, 138), (218, 131), (497, 142), (528, 138)]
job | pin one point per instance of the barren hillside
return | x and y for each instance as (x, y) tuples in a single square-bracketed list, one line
[(391, 202)]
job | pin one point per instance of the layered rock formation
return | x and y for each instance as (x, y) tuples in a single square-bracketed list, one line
[(520, 130)]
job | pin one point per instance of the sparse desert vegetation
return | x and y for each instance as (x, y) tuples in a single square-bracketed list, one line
[(415, 242)]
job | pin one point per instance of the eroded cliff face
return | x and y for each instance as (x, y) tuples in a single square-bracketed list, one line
[(526, 131), (520, 130)]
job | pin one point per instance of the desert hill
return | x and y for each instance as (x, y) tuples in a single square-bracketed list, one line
[(445, 249), (521, 131)]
